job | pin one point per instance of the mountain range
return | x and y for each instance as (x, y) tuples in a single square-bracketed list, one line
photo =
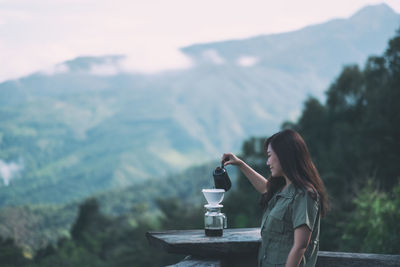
[(86, 127)]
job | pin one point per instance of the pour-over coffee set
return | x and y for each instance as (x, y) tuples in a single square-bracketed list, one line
[(214, 220)]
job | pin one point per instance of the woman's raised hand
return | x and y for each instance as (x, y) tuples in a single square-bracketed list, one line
[(256, 179), (229, 158)]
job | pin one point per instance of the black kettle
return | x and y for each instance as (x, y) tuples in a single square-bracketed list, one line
[(221, 178)]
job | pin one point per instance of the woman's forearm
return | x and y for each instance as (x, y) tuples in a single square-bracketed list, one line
[(294, 257), (256, 179)]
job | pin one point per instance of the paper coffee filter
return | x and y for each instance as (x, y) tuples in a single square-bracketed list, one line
[(213, 196)]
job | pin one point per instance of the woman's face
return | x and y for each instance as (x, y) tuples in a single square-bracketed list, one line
[(273, 163)]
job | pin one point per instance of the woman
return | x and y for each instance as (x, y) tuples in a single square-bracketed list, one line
[(294, 199)]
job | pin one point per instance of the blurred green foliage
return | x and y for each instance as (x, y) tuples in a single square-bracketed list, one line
[(34, 226), (10, 254), (374, 224)]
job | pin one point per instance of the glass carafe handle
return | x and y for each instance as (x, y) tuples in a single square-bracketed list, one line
[(225, 222)]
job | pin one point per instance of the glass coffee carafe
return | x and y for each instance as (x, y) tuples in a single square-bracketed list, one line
[(214, 221)]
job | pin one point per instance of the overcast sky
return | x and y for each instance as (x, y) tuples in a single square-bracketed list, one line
[(37, 34)]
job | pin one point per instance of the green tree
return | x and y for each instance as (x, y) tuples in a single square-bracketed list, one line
[(374, 224), (10, 254)]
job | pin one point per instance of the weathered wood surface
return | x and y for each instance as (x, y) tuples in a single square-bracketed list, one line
[(336, 259), (325, 259), (195, 242), (242, 260), (239, 247), (190, 261)]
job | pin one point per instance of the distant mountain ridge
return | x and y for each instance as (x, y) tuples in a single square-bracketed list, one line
[(311, 48), (79, 132)]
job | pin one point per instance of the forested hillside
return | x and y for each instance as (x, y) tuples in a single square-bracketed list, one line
[(353, 139), (34, 226)]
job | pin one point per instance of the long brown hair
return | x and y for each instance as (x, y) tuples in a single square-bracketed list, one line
[(296, 164)]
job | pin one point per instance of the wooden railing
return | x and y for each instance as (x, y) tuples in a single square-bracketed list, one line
[(238, 247)]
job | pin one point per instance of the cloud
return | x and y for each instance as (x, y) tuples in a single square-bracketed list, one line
[(104, 69), (247, 61), (56, 69), (151, 61), (9, 171), (212, 56), (154, 59), (13, 15)]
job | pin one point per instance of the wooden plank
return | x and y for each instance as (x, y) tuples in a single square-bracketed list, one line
[(243, 243), (195, 242), (190, 261), (336, 259)]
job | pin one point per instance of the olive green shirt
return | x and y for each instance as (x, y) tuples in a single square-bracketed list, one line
[(286, 211)]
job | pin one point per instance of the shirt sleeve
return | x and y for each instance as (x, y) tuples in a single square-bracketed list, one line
[(305, 211)]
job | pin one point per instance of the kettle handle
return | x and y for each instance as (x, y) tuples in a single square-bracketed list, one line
[(223, 161)]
